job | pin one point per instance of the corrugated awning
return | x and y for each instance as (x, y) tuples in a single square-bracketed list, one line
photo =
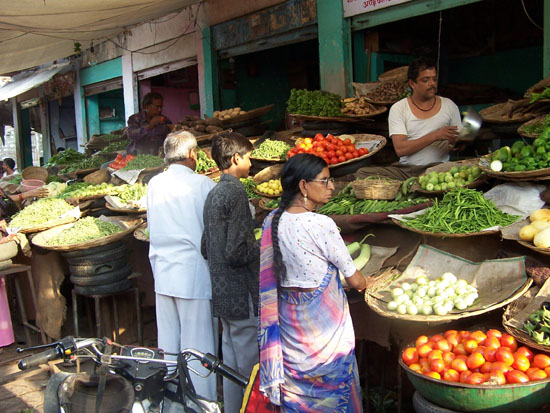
[(30, 81)]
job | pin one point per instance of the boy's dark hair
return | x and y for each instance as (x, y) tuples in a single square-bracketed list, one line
[(10, 162), (227, 144), (418, 65), (149, 97)]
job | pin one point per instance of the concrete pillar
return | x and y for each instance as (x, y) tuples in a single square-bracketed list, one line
[(129, 86), (335, 62), (79, 116)]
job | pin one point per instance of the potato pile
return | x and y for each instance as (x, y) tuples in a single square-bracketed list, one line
[(198, 126), (358, 106), (538, 231), (228, 113)]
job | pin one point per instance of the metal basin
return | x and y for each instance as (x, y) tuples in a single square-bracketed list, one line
[(470, 398)]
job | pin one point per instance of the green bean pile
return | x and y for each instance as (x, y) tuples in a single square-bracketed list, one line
[(346, 204), (248, 184), (84, 230), (132, 192), (40, 212), (271, 149), (461, 211), (143, 162), (86, 163)]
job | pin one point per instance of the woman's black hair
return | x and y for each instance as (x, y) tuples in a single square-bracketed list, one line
[(10, 162), (227, 144), (301, 166)]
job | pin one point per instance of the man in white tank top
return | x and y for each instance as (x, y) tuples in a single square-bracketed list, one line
[(423, 126)]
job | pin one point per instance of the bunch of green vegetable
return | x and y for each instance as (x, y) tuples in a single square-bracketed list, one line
[(314, 103), (454, 178), (271, 149), (347, 204), (133, 192), (16, 179), (461, 211), (143, 162), (78, 190), (86, 163), (537, 324), (66, 157), (273, 203), (115, 146), (84, 230), (204, 163), (40, 212), (109, 137), (545, 94), (538, 127), (249, 184), (522, 156)]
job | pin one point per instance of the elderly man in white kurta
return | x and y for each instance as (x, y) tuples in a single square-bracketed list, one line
[(175, 202)]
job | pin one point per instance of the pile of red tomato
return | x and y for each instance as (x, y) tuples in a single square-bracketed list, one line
[(493, 358), (121, 161), (332, 149)]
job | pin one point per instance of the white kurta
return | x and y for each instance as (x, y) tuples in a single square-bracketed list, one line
[(175, 202)]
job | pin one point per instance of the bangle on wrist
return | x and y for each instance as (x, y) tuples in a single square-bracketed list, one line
[(20, 197)]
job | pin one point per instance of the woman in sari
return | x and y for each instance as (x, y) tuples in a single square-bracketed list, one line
[(306, 337)]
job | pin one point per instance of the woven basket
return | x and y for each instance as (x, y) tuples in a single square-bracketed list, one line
[(381, 188), (35, 172)]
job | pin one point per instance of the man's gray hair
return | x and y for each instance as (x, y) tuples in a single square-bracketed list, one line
[(177, 146)]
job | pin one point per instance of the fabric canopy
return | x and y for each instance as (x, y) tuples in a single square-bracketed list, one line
[(34, 32), (24, 83)]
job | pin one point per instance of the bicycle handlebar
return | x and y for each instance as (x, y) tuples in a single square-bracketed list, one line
[(39, 358)]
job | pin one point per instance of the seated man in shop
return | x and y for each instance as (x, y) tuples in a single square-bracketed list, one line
[(8, 165), (148, 128), (423, 127)]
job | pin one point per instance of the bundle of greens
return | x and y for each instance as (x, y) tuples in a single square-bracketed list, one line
[(249, 184), (461, 211), (84, 230), (66, 157), (545, 94), (86, 163), (314, 103), (204, 163), (537, 324), (84, 189), (40, 212), (538, 127), (143, 162), (115, 146)]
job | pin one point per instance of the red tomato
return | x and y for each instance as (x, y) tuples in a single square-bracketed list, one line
[(448, 358), (319, 149), (475, 378), (342, 159), (475, 361), (410, 355), (433, 375), (330, 136), (464, 376), (521, 363), (347, 141), (425, 364), (348, 156), (343, 148), (485, 367), (421, 340), (319, 137), (435, 354), (356, 153), (363, 151), (443, 345), (497, 377), (478, 336), (424, 350), (289, 154), (339, 152), (451, 375), (508, 341), (490, 354), (500, 366), (339, 143), (437, 365), (463, 334), (459, 349), (331, 154), (537, 374), (492, 342), (541, 361), (527, 352), (436, 337), (333, 160), (504, 355), (459, 365), (494, 333), (416, 367), (331, 147), (325, 144), (516, 376), (130, 157), (470, 345)]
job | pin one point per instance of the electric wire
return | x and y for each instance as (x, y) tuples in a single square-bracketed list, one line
[(529, 17)]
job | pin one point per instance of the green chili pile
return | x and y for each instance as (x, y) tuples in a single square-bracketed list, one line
[(40, 212), (347, 204), (461, 211)]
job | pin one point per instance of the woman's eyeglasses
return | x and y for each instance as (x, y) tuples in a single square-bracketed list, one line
[(326, 181)]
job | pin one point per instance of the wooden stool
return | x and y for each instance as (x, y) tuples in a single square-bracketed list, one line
[(20, 269), (97, 298)]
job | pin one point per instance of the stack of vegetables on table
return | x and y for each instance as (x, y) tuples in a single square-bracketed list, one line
[(489, 358), (461, 211), (84, 230), (143, 162), (40, 212), (314, 103), (440, 296), (522, 156), (331, 148), (454, 178), (83, 189), (204, 163), (86, 163), (271, 149), (66, 157), (121, 161)]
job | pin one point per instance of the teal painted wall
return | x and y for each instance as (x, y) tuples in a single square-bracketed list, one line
[(94, 74), (211, 86), (266, 77)]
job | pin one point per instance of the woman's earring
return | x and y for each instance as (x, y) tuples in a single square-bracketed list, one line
[(305, 199)]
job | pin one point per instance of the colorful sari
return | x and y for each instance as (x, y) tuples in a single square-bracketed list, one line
[(307, 343)]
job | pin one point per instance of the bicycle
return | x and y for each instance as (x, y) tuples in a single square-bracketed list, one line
[(140, 373)]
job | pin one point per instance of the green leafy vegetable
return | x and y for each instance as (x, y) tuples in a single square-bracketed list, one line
[(84, 230), (545, 94), (132, 192), (40, 212), (249, 184), (87, 163), (115, 146), (143, 162), (204, 163), (314, 103), (66, 157)]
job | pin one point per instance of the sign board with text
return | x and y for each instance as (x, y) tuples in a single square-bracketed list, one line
[(355, 7)]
